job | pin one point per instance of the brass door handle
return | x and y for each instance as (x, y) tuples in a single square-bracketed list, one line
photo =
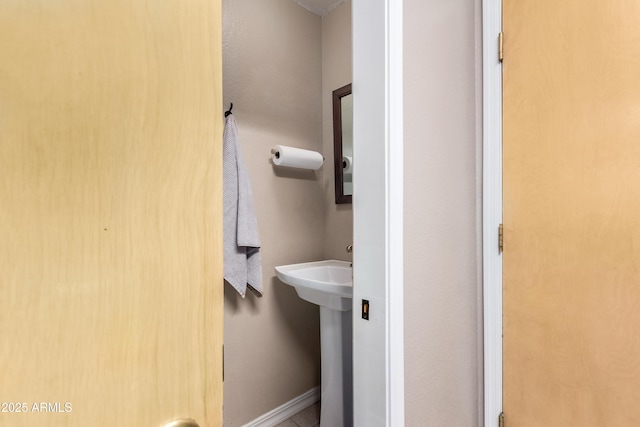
[(186, 422)]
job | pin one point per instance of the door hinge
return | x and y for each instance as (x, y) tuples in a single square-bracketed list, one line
[(500, 238), (222, 362), (501, 419), (500, 46)]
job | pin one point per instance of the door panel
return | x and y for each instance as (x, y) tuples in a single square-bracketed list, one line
[(110, 212), (571, 213)]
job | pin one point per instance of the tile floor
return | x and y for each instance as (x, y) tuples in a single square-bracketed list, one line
[(308, 417)]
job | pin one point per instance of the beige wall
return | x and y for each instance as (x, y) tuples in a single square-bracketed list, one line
[(272, 74), (280, 65), (272, 60), (442, 203), (336, 72)]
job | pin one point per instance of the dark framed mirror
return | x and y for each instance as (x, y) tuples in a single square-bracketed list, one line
[(343, 143)]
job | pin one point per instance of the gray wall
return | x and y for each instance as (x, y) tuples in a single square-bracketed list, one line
[(443, 292)]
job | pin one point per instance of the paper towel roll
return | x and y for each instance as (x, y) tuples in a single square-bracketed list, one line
[(283, 155), (347, 164)]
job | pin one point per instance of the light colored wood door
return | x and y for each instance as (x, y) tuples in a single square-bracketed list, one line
[(572, 213), (110, 212)]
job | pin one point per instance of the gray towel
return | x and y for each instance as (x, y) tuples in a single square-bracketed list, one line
[(242, 264)]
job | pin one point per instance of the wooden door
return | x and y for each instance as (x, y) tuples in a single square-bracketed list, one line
[(572, 213), (110, 212)]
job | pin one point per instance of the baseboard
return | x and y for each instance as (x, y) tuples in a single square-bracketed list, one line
[(287, 410)]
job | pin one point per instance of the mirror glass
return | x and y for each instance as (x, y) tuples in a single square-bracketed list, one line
[(343, 143)]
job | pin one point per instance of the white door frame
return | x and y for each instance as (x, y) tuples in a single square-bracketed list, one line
[(492, 209), (378, 343)]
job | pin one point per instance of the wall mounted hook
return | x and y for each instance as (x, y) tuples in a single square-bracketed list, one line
[(226, 113)]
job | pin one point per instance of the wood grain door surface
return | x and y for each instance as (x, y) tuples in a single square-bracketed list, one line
[(571, 213), (110, 212)]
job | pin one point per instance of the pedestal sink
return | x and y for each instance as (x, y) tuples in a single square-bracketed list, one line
[(329, 285)]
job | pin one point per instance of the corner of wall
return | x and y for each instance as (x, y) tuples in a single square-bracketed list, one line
[(336, 72)]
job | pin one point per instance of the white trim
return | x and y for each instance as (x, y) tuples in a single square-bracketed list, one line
[(492, 210), (286, 411), (378, 343), (395, 215)]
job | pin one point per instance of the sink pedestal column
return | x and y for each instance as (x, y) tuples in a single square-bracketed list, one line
[(337, 370)]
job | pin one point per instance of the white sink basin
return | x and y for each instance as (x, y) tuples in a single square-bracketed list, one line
[(330, 285), (326, 283)]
